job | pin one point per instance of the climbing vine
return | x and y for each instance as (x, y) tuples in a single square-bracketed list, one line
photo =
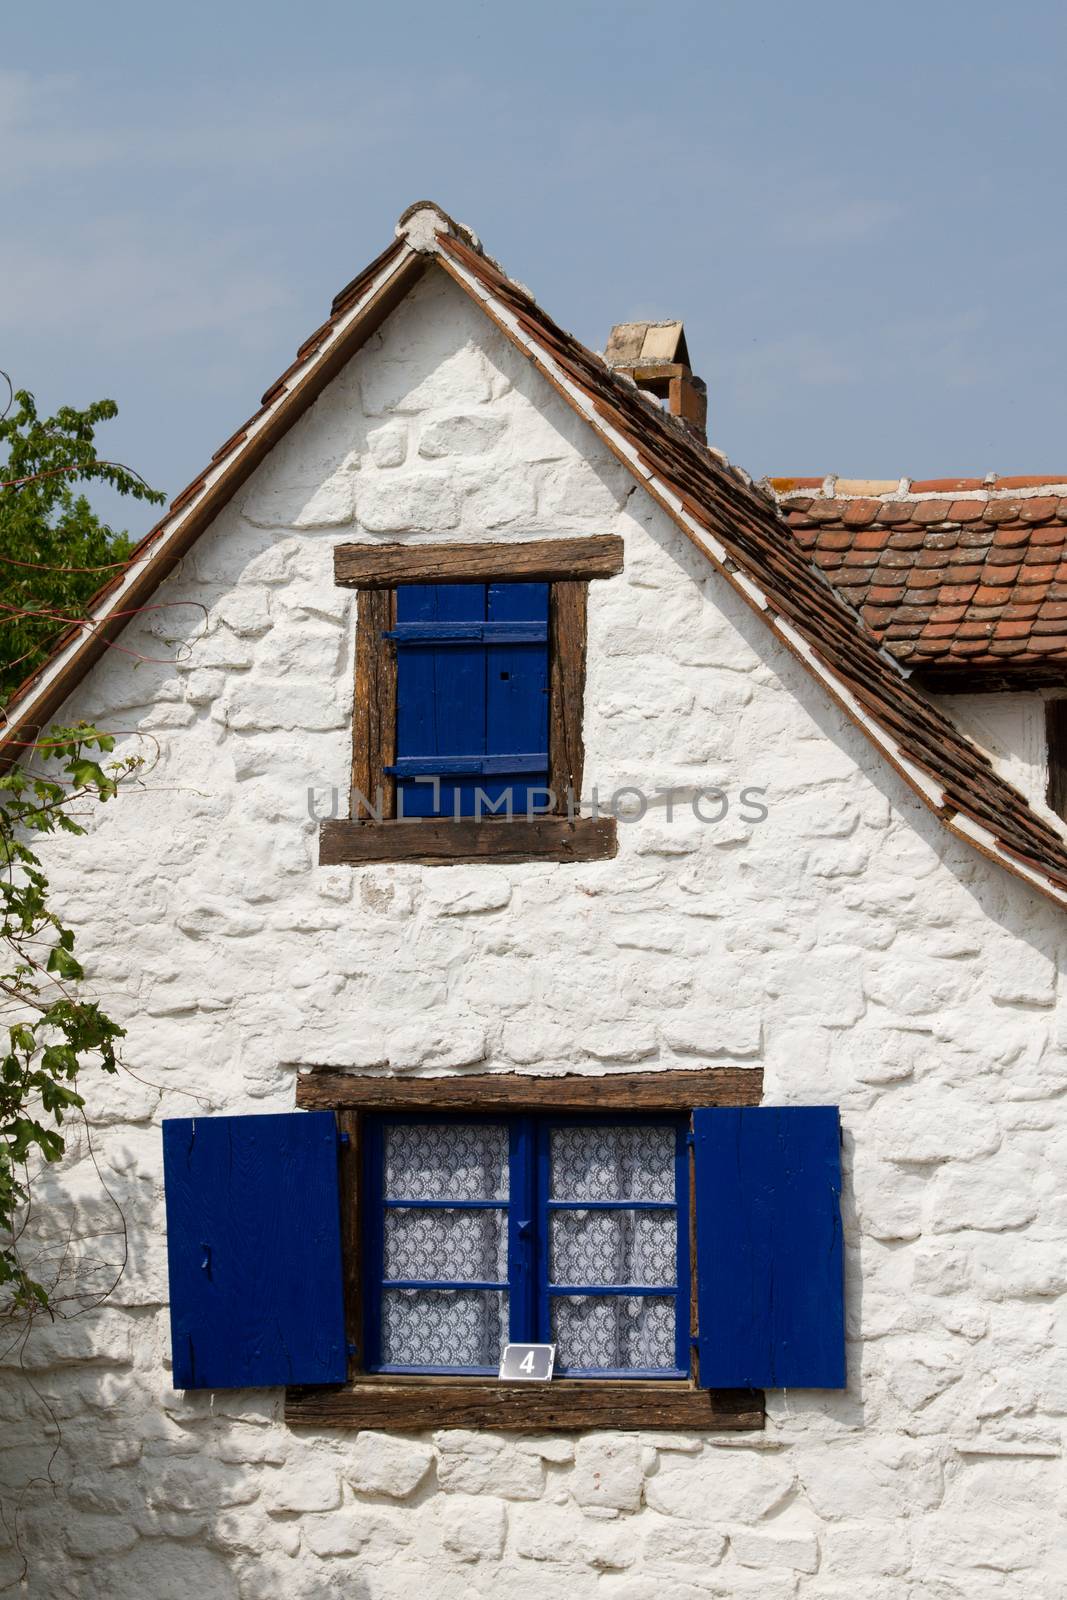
[(52, 1030)]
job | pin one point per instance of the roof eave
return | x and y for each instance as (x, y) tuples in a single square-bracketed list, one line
[(192, 511)]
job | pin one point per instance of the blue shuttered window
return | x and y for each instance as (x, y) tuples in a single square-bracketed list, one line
[(528, 1228), (472, 697), (534, 1228), (254, 1250), (770, 1288)]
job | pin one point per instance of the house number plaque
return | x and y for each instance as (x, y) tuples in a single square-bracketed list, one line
[(528, 1363)]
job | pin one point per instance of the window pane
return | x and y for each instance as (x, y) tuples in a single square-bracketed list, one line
[(471, 1246), (614, 1331), (446, 1161), (614, 1247), (613, 1163), (443, 1327)]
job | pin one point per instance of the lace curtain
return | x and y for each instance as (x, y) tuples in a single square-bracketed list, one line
[(463, 1327)]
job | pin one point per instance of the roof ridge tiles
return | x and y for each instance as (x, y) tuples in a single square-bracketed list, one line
[(989, 487)]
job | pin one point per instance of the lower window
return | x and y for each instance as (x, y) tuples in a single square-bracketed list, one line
[(539, 1229)]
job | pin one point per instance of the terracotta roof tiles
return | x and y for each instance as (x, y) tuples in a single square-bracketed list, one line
[(936, 565)]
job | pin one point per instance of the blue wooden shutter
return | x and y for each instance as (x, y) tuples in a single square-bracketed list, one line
[(472, 693), (770, 1286), (254, 1250)]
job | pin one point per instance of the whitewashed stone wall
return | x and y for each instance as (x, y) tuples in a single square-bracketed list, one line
[(847, 944), (1011, 729)]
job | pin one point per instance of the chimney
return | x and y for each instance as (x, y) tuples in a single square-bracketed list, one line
[(655, 356)]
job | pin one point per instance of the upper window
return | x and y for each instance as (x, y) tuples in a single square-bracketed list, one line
[(533, 1229), (471, 699), (469, 702)]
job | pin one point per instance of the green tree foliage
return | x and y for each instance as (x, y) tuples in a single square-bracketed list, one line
[(55, 552), (51, 1030)]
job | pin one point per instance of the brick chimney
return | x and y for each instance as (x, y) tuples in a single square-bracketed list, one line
[(655, 356)]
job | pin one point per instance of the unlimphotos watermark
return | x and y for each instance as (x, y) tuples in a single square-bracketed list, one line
[(627, 803)]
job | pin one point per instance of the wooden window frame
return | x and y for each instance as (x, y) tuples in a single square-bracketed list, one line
[(374, 571), (1056, 755), (413, 1403)]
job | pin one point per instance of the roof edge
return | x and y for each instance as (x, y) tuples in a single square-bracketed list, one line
[(192, 510)]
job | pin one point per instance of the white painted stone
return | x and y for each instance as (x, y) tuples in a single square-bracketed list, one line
[(684, 1545), (167, 1570), (245, 611), (96, 1537), (462, 435), (395, 504), (473, 1528), (331, 506), (470, 1463), (694, 1031), (341, 1533), (905, 1133), (570, 493), (389, 445), (760, 1548), (816, 986), (607, 1472), (499, 503), (557, 1451), (104, 1339), (286, 704), (462, 375), (310, 1488), (717, 1488), (455, 891), (842, 1481), (200, 1485), (565, 1536), (922, 1371), (378, 1463), (990, 1195)]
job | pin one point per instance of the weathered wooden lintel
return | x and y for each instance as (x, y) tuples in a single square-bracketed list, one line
[(324, 1088), (380, 566)]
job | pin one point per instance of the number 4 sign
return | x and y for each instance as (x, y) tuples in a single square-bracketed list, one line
[(528, 1363)]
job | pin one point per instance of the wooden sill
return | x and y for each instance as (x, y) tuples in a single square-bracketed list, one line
[(418, 1404), (436, 842)]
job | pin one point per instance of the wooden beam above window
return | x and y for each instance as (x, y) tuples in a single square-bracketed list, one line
[(381, 566), (326, 1089)]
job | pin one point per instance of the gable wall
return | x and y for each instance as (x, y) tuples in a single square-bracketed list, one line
[(846, 944)]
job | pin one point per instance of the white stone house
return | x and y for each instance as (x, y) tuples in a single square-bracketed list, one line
[(775, 871)]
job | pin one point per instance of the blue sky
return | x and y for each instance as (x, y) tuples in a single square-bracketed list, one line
[(859, 211)]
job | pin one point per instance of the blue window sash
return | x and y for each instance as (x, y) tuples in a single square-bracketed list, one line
[(528, 1208), (680, 1206), (472, 698)]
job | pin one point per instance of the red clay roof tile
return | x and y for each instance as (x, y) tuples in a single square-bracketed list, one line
[(969, 563)]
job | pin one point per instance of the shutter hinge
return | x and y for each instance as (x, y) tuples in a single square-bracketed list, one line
[(352, 1349), (342, 1138), (690, 1140)]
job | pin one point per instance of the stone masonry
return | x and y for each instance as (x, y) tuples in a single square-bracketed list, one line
[(846, 943)]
